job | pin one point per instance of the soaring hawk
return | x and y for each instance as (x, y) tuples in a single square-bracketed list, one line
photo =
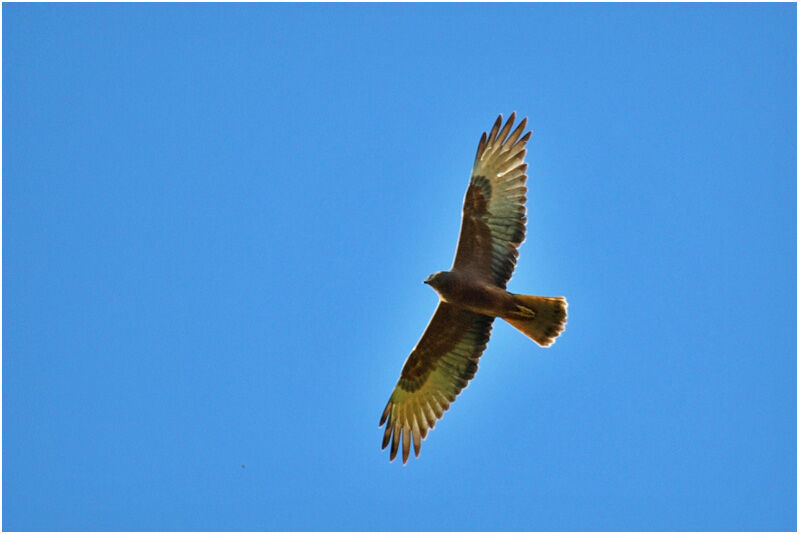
[(473, 293)]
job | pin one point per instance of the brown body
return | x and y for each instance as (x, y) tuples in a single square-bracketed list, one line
[(466, 291), (541, 318), (472, 294)]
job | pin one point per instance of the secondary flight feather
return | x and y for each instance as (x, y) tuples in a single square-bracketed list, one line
[(472, 294)]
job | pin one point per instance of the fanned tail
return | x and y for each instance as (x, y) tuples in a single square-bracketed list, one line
[(547, 322)]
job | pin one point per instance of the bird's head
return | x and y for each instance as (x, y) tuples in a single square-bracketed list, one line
[(434, 280)]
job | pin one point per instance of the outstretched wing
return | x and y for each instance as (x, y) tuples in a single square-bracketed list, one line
[(493, 223), (439, 367)]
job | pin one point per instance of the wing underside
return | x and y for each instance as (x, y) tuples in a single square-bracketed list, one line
[(439, 367), (492, 228), (493, 220)]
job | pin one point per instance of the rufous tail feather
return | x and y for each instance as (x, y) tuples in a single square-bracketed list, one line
[(548, 321)]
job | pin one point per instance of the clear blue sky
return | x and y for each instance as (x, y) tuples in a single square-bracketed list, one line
[(217, 220)]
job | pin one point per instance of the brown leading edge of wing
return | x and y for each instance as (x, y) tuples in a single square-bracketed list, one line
[(438, 368), (493, 220)]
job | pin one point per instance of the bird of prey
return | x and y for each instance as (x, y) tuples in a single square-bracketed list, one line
[(473, 293)]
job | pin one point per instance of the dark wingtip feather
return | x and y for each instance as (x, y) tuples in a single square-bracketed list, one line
[(495, 128), (481, 146), (512, 139), (387, 435), (504, 132), (385, 414), (395, 443)]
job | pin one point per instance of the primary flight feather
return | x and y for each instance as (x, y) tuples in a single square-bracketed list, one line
[(472, 294)]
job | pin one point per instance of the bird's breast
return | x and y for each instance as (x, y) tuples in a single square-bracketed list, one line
[(478, 297)]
